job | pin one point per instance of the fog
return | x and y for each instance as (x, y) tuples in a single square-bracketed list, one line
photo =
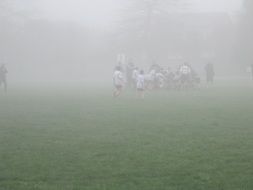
[(79, 41)]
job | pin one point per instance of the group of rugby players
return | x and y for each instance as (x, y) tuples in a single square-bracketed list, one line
[(183, 78)]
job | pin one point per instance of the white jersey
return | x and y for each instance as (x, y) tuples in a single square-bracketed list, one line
[(135, 74), (118, 78), (184, 69), (160, 78), (140, 82), (152, 74)]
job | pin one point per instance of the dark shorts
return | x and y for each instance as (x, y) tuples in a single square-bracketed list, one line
[(118, 87), (140, 89), (185, 78)]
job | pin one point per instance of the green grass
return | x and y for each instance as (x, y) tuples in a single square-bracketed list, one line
[(79, 139)]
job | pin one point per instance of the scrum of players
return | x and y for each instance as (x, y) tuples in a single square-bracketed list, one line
[(183, 78)]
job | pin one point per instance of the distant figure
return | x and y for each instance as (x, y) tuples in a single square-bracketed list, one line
[(169, 77), (177, 80), (155, 67), (185, 73), (118, 81), (135, 74), (150, 79), (209, 73), (129, 71), (251, 66), (3, 80), (169, 73), (140, 84), (159, 79)]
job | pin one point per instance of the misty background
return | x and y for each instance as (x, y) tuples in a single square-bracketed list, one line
[(78, 41)]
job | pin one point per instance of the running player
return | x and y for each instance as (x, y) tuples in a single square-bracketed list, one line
[(140, 84), (118, 81)]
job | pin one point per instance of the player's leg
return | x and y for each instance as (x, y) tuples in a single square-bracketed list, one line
[(5, 85), (115, 92), (118, 91)]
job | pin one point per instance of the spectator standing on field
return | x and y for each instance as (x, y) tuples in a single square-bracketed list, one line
[(3, 80), (209, 73), (251, 67)]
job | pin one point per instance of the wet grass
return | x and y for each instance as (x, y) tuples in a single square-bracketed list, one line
[(79, 139)]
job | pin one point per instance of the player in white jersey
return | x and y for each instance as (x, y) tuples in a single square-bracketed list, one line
[(140, 84), (135, 74), (160, 78), (150, 79), (185, 73), (118, 81)]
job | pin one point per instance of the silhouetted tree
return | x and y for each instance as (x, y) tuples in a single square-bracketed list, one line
[(145, 25), (245, 44)]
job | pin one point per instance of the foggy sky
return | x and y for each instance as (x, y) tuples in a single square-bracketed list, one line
[(100, 13)]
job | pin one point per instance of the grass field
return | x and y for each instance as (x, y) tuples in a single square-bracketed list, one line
[(84, 139)]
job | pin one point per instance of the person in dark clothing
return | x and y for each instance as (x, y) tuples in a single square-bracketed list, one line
[(3, 80), (129, 72), (209, 73), (251, 67)]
